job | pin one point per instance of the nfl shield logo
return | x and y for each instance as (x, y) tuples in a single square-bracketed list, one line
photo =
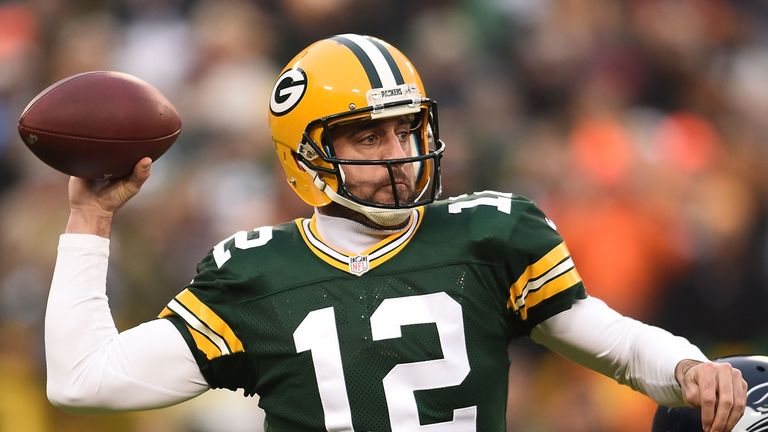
[(358, 264)]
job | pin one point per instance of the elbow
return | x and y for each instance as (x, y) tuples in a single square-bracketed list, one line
[(69, 398), (64, 398)]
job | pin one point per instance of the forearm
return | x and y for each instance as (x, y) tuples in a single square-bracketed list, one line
[(641, 356), (92, 366)]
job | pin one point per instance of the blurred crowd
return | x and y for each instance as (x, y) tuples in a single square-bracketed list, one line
[(637, 125)]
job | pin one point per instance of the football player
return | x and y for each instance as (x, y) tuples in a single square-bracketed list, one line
[(386, 310)]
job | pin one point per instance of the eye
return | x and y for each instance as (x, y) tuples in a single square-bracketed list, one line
[(403, 135), (369, 139)]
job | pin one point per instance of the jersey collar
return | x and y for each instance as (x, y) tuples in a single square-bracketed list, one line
[(359, 264)]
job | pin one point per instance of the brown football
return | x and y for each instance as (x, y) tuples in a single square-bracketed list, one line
[(97, 125)]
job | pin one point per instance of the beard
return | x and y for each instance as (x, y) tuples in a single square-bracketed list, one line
[(379, 191)]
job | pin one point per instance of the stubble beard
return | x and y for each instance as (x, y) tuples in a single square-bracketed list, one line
[(404, 193)]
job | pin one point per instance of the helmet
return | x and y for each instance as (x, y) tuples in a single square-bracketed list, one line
[(343, 79), (754, 369)]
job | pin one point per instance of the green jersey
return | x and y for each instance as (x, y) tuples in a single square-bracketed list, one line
[(409, 335)]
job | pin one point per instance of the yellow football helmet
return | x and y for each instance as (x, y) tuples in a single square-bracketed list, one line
[(349, 78)]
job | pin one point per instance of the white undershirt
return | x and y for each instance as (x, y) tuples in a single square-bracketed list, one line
[(347, 235), (93, 366)]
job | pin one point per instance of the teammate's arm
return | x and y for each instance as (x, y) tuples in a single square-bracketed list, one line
[(90, 365)]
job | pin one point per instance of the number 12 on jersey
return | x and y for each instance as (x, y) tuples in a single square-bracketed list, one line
[(318, 334)]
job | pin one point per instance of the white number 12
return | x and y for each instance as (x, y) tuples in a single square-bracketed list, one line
[(317, 333)]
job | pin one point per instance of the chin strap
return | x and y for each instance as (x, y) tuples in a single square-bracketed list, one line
[(383, 217)]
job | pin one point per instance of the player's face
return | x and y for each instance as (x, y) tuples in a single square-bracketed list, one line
[(384, 139)]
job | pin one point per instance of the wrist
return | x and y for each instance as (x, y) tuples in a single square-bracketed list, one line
[(682, 369), (89, 222)]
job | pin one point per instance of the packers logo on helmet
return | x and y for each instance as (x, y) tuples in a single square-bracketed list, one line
[(340, 80), (288, 91)]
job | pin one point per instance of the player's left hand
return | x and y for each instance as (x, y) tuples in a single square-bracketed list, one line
[(717, 388)]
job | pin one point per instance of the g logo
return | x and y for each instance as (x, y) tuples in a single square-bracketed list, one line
[(288, 91)]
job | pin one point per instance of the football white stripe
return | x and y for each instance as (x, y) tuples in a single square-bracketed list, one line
[(198, 325), (378, 60), (546, 277)]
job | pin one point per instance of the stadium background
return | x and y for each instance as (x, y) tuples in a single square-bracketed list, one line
[(639, 126)]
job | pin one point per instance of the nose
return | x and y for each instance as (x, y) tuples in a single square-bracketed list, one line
[(393, 148)]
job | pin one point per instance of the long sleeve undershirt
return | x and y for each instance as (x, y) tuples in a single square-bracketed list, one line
[(93, 366)]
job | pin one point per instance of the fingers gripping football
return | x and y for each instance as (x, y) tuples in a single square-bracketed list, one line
[(93, 203), (718, 388), (106, 197)]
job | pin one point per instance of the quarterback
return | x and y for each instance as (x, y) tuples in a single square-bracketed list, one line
[(386, 311)]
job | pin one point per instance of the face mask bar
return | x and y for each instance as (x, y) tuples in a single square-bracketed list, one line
[(425, 165), (426, 179)]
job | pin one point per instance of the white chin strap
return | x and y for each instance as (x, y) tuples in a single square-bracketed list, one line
[(379, 216)]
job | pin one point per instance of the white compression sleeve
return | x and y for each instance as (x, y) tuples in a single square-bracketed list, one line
[(92, 366), (631, 352)]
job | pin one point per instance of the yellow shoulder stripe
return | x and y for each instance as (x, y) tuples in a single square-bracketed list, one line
[(548, 276), (212, 335), (165, 313), (535, 270), (551, 288)]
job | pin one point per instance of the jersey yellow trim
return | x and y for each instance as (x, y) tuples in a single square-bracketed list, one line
[(320, 254), (551, 274), (210, 319), (379, 253), (392, 239), (204, 344), (543, 265), (551, 288), (212, 322)]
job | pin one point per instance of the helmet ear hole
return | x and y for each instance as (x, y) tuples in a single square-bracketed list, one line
[(296, 161)]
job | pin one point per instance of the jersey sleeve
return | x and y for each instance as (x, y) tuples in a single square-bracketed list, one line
[(545, 279), (204, 314)]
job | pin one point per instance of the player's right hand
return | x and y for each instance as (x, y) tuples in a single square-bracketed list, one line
[(93, 203)]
